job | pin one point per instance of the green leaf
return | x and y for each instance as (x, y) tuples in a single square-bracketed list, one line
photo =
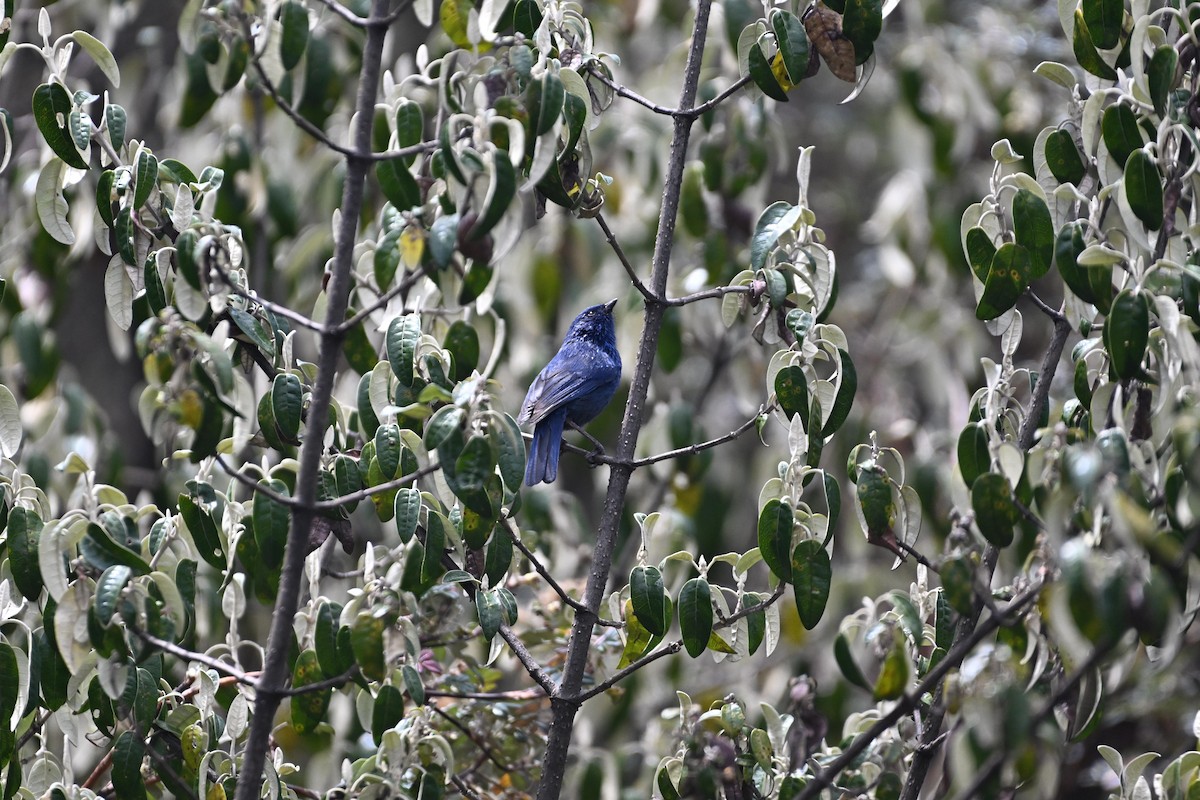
[(980, 252), (101, 550), (24, 532), (1033, 230), (1120, 131), (463, 343), (286, 398), (1063, 158), (895, 673), (332, 661), (387, 712), (844, 399), (108, 591), (490, 615), (649, 597), (775, 524), (401, 346), (763, 77), (387, 450), (387, 259), (443, 237), (792, 42), (502, 188), (309, 708), (510, 448), (812, 575), (446, 421), (271, 522), (52, 113), (410, 127), (1085, 50), (259, 334), (874, 495), (1143, 187), (129, 750), (1104, 19), (173, 171), (791, 390), (862, 23), (974, 459), (847, 664), (474, 465), (397, 184), (408, 511), (995, 511), (204, 531), (115, 118), (498, 559), (1161, 75), (771, 224), (146, 178), (366, 642), (1007, 280), (695, 615), (293, 18), (1067, 248), (1126, 333)]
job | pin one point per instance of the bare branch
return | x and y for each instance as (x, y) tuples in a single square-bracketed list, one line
[(548, 578), (527, 660), (329, 683), (475, 740), (704, 108), (515, 696), (363, 494), (629, 270), (191, 655), (1041, 393), (706, 294), (620, 675), (254, 485), (381, 301)]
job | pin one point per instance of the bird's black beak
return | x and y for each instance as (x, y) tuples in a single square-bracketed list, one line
[(611, 304)]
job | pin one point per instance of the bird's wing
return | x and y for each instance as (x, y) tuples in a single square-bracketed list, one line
[(560, 383)]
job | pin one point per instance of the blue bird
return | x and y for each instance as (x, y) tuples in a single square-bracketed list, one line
[(574, 387)]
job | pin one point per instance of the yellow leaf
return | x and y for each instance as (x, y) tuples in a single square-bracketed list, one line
[(412, 246)]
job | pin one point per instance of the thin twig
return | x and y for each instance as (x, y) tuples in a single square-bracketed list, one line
[(479, 743), (362, 494), (527, 660), (706, 294), (547, 577), (250, 483), (704, 108), (673, 647), (329, 683), (1041, 393), (689, 450), (1045, 307), (200, 658), (463, 789), (515, 696), (624, 259), (33, 729), (690, 113), (381, 301), (312, 130)]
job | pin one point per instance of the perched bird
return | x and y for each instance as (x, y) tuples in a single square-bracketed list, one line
[(574, 387)]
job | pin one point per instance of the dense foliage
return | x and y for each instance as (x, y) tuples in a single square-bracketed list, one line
[(264, 524)]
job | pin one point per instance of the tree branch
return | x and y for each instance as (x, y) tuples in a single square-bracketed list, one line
[(1041, 393), (650, 296), (558, 741), (527, 660), (716, 291), (548, 578), (363, 494), (274, 673), (191, 655)]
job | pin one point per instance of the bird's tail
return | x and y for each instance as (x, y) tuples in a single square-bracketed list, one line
[(543, 452)]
